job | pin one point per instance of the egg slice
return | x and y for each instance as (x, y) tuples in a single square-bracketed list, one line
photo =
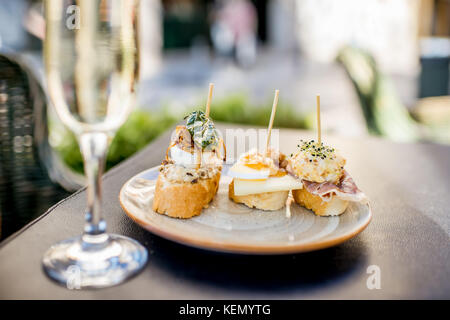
[(272, 184), (241, 171)]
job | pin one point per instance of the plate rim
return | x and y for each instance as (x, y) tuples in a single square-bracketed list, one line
[(237, 248)]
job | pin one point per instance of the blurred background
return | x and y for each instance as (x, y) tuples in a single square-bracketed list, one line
[(380, 66)]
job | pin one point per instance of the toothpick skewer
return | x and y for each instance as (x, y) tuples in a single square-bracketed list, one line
[(272, 117), (208, 102), (319, 135)]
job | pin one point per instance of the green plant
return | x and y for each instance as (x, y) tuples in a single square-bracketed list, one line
[(383, 111), (237, 109), (140, 128)]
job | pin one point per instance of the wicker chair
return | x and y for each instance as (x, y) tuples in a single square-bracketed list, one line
[(32, 177)]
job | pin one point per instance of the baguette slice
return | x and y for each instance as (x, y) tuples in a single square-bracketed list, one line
[(184, 199), (334, 207), (264, 201)]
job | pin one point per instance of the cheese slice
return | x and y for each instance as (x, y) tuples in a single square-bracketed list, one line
[(241, 171), (272, 184)]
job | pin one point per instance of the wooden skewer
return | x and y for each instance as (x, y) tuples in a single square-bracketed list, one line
[(208, 102), (208, 108), (272, 117), (319, 135)]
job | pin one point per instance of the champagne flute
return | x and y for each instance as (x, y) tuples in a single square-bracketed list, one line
[(91, 61)]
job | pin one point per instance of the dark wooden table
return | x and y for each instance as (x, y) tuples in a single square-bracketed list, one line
[(408, 238)]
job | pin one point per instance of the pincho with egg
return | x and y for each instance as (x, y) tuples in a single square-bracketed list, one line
[(260, 179)]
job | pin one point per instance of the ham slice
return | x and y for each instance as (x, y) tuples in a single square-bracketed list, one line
[(345, 190)]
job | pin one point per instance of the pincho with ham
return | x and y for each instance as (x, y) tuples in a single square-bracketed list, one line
[(327, 186)]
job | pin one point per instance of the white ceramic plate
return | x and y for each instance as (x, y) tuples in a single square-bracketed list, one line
[(229, 227)]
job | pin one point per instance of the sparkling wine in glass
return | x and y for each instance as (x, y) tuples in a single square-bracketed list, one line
[(91, 60)]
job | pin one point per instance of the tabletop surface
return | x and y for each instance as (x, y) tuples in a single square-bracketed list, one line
[(408, 238)]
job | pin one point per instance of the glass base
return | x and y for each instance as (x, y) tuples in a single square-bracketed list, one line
[(94, 261)]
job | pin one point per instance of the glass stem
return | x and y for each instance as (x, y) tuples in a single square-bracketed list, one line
[(93, 147)]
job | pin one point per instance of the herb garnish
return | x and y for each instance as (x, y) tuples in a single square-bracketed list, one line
[(316, 150), (202, 130)]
